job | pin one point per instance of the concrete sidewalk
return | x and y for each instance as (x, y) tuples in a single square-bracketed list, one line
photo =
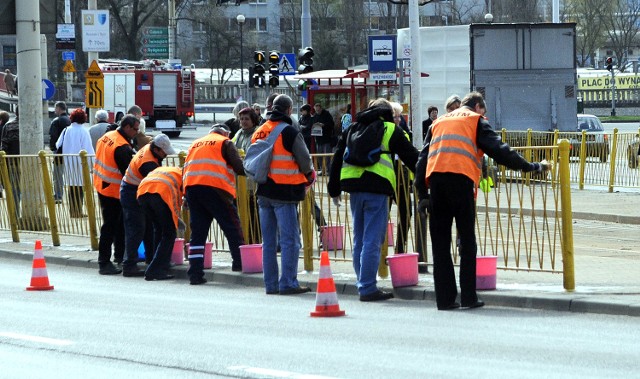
[(607, 280)]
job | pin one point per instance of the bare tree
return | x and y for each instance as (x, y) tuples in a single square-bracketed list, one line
[(591, 33), (327, 35), (622, 28), (355, 38), (515, 11)]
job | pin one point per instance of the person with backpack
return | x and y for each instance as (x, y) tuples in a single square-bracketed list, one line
[(363, 166)]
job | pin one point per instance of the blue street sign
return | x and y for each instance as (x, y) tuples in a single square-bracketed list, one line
[(68, 56), (287, 64), (48, 89), (382, 53)]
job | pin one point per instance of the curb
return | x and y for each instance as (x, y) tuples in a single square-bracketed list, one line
[(563, 302)]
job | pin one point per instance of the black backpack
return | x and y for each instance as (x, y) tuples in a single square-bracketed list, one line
[(364, 143)]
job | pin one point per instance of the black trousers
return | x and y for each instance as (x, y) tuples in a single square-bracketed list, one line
[(164, 232), (452, 197), (111, 232)]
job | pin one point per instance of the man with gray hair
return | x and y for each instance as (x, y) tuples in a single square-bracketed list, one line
[(98, 130), (290, 173)]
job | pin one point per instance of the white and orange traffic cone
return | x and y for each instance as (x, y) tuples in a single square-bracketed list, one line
[(326, 296), (39, 277)]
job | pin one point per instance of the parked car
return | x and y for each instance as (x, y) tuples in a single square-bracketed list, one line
[(597, 141)]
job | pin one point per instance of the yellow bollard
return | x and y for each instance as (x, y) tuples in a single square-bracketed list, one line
[(48, 198), (306, 225), (568, 268)]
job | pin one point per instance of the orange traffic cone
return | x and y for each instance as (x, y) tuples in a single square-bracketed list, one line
[(326, 296), (39, 277)]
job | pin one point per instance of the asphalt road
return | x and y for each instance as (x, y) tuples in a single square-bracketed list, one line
[(103, 327)]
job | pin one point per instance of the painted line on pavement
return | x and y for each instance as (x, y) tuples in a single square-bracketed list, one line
[(277, 373), (45, 340)]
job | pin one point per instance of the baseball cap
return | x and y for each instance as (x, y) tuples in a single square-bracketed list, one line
[(162, 141)]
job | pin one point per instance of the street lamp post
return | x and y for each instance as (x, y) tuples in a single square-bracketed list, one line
[(240, 19)]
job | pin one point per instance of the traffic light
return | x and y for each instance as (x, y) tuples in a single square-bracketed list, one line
[(306, 60), (304, 84), (258, 68), (274, 68), (609, 63)]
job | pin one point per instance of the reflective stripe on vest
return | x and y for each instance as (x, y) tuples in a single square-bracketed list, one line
[(166, 182), (132, 175), (283, 169), (383, 168), (206, 166), (453, 145), (105, 168)]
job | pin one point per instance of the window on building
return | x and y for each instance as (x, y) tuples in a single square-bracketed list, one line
[(9, 56)]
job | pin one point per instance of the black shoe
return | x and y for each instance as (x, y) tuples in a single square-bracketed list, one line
[(295, 291), (236, 266), (195, 282), (377, 296), (158, 277), (133, 273), (454, 305), (109, 269), (273, 292), (479, 303), (423, 268)]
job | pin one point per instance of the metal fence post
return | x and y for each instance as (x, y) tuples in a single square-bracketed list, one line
[(8, 189), (614, 149), (583, 159), (307, 231), (568, 268), (87, 185), (48, 198)]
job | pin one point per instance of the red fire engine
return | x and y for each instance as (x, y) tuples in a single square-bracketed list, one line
[(165, 94)]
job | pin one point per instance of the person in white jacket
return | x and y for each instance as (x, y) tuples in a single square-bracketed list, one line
[(74, 139)]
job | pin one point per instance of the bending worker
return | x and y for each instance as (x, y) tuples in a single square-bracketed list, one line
[(451, 163), (136, 227), (160, 197), (210, 190)]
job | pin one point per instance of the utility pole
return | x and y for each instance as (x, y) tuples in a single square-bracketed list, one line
[(92, 56), (305, 24), (416, 66), (172, 30), (68, 75)]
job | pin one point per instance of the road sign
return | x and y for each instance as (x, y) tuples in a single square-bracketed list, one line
[(66, 37), (48, 89), (382, 55), (287, 64), (68, 55), (155, 40), (95, 30), (94, 71), (162, 51), (94, 93), (68, 67), (155, 31)]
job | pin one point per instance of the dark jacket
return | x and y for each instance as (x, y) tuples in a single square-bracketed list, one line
[(57, 126), (370, 182), (328, 126), (305, 123), (10, 138), (293, 142), (234, 125), (490, 143)]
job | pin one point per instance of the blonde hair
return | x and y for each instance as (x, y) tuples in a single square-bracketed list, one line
[(397, 108), (451, 101)]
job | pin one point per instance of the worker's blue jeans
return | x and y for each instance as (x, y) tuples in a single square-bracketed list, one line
[(279, 220), (369, 212)]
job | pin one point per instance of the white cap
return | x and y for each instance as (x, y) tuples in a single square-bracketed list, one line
[(162, 141)]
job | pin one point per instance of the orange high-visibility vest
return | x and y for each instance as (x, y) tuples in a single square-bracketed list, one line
[(206, 166), (284, 169), (166, 182), (105, 168), (132, 175), (453, 145)]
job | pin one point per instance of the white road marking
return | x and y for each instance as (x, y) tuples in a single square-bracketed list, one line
[(45, 340), (277, 373)]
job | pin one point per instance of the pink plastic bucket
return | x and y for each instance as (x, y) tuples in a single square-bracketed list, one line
[(332, 237), (251, 256), (390, 234), (208, 255), (177, 255), (486, 267), (404, 269)]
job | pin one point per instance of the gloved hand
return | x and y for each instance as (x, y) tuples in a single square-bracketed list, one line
[(542, 166), (486, 184), (424, 205), (337, 200)]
